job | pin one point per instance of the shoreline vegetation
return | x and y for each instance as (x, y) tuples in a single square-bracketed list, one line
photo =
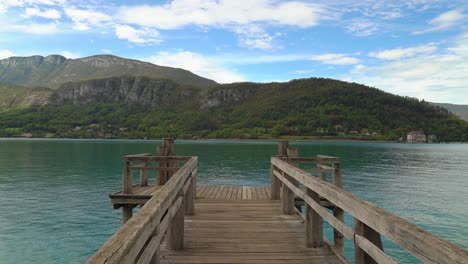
[(293, 139)]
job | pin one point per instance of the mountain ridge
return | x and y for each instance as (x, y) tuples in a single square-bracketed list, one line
[(54, 70)]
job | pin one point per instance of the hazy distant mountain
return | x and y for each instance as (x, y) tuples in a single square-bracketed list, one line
[(459, 110), (54, 70)]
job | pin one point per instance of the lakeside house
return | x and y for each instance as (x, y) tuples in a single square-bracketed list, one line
[(416, 137)]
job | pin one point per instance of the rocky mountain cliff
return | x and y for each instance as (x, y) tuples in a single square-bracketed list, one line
[(54, 70), (139, 91), (14, 96)]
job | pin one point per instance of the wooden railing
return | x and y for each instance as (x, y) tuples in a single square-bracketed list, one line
[(139, 239), (370, 221)]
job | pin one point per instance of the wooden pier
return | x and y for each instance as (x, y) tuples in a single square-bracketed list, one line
[(180, 222)]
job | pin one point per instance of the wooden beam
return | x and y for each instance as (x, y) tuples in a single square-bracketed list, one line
[(283, 148), (162, 172), (338, 240), (144, 174), (127, 213), (313, 223), (287, 199), (275, 185), (175, 232)]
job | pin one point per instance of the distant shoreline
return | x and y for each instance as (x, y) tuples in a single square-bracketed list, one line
[(341, 140)]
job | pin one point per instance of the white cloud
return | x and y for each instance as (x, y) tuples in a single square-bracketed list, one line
[(5, 4), (48, 13), (445, 21), (335, 59), (252, 36), (140, 36), (85, 19), (5, 54), (437, 77), (69, 54), (303, 72), (198, 64), (399, 53), (33, 28), (362, 27), (181, 13)]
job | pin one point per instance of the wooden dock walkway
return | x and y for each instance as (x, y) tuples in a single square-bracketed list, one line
[(244, 231), (180, 222)]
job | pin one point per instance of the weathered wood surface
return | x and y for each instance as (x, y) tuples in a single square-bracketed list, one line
[(244, 231), (424, 245), (129, 242)]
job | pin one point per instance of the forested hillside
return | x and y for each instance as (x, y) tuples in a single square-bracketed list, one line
[(302, 108)]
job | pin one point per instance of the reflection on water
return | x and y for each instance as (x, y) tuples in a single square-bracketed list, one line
[(55, 207)]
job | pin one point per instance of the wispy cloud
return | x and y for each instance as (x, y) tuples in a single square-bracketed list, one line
[(139, 36), (198, 64), (255, 37), (33, 28), (445, 21), (336, 59), (47, 13), (437, 77), (181, 13), (86, 19), (362, 27), (399, 53)]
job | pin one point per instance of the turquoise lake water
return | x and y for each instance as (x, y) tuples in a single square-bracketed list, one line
[(54, 193)]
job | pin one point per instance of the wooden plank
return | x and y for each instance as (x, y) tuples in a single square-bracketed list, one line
[(424, 245), (249, 193), (211, 191), (254, 193), (239, 192), (214, 191), (248, 239), (226, 192), (207, 189), (200, 189), (229, 192)]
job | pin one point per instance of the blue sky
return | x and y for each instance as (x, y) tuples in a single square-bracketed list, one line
[(416, 48)]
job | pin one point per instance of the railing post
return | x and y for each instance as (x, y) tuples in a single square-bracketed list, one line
[(287, 197), (313, 223), (169, 144), (189, 198), (144, 174), (275, 183), (162, 171), (127, 186), (175, 231), (338, 240), (283, 148), (373, 236), (275, 186)]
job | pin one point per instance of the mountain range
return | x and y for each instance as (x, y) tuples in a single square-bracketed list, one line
[(108, 96)]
